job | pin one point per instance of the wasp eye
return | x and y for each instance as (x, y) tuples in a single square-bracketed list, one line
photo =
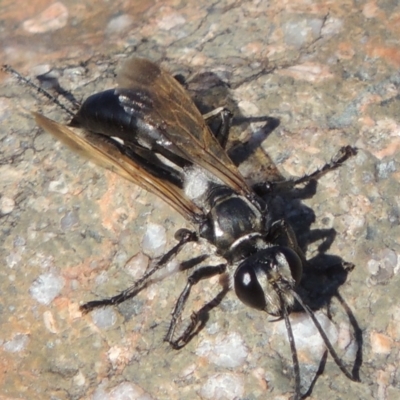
[(248, 288), (259, 276)]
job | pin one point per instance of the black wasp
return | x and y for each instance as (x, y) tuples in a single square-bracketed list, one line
[(164, 145)]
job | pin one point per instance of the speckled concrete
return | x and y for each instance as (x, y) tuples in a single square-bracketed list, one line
[(70, 232)]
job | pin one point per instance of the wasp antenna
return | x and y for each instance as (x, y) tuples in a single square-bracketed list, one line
[(328, 344), (28, 82)]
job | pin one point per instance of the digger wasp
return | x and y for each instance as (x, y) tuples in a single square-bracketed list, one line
[(149, 131)]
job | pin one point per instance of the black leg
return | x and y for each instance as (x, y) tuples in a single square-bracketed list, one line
[(198, 320), (197, 276), (223, 131), (183, 235), (343, 154), (268, 188), (328, 344), (281, 233)]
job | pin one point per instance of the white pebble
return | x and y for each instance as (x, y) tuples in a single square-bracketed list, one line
[(6, 205), (46, 288), (128, 390), (223, 387), (137, 265), (119, 24), (170, 21), (58, 187), (52, 18), (306, 335), (226, 350), (18, 343), (104, 317), (154, 240)]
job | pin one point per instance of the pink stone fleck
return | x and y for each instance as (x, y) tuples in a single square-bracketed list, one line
[(51, 19)]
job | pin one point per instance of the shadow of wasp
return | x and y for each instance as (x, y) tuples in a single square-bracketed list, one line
[(150, 132)]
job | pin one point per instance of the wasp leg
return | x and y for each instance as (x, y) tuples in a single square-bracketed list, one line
[(282, 233), (292, 343), (222, 132), (183, 235), (342, 155), (352, 376), (198, 320), (196, 277), (214, 113)]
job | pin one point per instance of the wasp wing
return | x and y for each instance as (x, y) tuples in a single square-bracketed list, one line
[(104, 153), (254, 164), (179, 120)]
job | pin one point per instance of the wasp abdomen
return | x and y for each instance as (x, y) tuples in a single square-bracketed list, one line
[(115, 112)]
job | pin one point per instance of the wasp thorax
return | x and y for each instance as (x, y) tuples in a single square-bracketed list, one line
[(265, 280)]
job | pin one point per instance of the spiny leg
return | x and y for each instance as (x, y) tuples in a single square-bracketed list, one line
[(198, 320), (327, 342), (295, 359), (194, 278), (183, 235), (342, 156), (296, 366)]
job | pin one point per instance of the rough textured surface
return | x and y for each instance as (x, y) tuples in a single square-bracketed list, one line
[(70, 232)]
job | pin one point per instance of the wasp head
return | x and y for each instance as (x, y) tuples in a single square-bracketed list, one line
[(266, 279)]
